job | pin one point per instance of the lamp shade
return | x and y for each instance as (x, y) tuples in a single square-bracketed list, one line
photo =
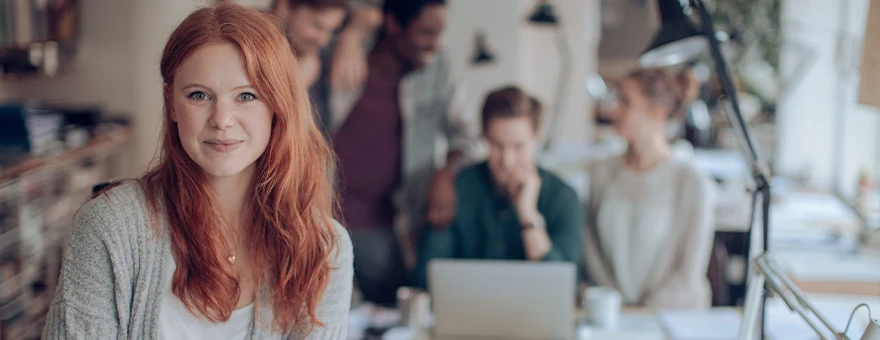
[(544, 14), (482, 55), (678, 41)]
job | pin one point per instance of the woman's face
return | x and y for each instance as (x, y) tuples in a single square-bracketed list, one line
[(635, 115), (223, 123)]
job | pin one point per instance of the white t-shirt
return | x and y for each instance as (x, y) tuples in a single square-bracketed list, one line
[(176, 322)]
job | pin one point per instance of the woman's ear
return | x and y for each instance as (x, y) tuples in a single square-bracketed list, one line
[(166, 94)]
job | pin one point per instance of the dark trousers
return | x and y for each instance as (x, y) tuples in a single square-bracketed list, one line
[(378, 265)]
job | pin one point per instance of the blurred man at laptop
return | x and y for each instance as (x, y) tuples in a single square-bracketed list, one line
[(508, 208)]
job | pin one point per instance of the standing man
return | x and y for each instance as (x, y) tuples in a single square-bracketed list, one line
[(326, 60), (393, 173)]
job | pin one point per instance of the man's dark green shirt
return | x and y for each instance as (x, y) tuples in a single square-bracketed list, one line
[(486, 225)]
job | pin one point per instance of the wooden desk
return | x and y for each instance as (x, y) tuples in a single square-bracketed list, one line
[(837, 287), (855, 274)]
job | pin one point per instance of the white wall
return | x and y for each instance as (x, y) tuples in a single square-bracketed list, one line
[(540, 69), (860, 127), (624, 39), (465, 19), (527, 55), (152, 26), (101, 72), (821, 129)]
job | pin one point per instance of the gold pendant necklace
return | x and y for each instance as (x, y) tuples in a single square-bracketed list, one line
[(231, 259)]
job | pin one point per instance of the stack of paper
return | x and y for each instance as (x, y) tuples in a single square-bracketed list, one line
[(44, 128), (714, 324)]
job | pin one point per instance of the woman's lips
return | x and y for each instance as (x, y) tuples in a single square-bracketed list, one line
[(224, 145)]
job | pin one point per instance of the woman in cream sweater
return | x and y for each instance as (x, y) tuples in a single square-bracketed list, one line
[(650, 215)]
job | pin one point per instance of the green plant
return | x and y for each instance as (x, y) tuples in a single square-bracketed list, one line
[(753, 23)]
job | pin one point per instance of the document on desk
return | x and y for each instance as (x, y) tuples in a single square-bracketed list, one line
[(811, 210), (816, 266), (630, 327), (713, 324)]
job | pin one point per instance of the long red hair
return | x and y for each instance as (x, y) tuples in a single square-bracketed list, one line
[(292, 201)]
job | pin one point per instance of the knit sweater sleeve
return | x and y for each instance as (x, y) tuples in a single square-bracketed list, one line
[(84, 305), (335, 304), (686, 286), (597, 270)]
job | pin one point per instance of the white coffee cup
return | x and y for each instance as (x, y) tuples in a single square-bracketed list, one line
[(602, 306)]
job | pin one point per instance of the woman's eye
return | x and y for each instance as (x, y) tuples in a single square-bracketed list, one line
[(246, 97), (198, 95)]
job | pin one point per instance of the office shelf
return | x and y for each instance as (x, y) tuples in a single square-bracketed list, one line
[(38, 199)]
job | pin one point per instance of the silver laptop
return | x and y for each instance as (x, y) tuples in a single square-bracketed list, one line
[(502, 299)]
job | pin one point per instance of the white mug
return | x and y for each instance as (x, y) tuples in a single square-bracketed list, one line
[(602, 305)]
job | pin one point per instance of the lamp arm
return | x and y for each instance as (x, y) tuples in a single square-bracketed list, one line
[(853, 314), (793, 297), (799, 295), (769, 272), (760, 172), (759, 168)]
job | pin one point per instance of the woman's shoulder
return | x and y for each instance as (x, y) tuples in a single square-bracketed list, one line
[(121, 208), (692, 179), (602, 169), (343, 249)]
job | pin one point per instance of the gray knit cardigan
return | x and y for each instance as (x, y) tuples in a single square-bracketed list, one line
[(112, 278)]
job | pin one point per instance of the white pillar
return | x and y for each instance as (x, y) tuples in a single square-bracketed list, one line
[(153, 23), (820, 128)]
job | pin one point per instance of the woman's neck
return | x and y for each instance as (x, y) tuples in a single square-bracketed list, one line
[(647, 153), (231, 195)]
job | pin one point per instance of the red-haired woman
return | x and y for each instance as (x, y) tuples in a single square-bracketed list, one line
[(231, 235)]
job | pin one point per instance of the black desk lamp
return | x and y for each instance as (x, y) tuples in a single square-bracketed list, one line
[(544, 14), (482, 54), (678, 42)]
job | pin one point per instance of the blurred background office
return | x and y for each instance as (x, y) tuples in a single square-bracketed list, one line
[(80, 104)]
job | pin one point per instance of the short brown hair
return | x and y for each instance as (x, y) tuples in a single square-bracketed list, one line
[(511, 102)]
